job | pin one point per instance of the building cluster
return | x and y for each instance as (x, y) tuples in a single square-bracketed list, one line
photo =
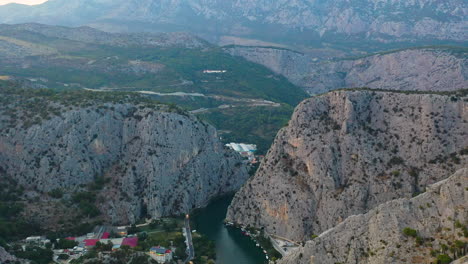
[(89, 241), (245, 150), (102, 235)]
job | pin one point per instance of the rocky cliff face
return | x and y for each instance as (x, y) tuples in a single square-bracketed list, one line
[(438, 216), (346, 152), (147, 158), (439, 69), (6, 257), (384, 21)]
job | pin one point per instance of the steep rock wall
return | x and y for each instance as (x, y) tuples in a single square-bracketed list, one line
[(436, 69), (377, 237), (346, 152), (154, 161)]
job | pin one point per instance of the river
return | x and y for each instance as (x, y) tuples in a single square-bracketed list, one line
[(231, 246)]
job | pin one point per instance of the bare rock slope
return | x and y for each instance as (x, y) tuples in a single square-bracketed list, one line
[(6, 257), (423, 69), (136, 157), (438, 216), (346, 152)]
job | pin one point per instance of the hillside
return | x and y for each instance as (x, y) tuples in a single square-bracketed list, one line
[(346, 152), (169, 67), (300, 21), (421, 69), (78, 157), (424, 229)]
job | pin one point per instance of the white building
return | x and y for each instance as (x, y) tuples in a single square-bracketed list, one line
[(160, 254), (214, 71), (245, 150)]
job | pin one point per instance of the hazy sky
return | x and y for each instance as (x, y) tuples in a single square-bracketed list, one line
[(27, 2)]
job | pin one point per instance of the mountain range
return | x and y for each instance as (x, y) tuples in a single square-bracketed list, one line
[(302, 22)]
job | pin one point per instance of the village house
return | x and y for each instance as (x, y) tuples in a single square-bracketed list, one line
[(160, 254)]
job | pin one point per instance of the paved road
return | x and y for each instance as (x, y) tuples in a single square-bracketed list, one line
[(190, 249)]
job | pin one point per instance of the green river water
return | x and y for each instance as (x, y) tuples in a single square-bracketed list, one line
[(231, 246)]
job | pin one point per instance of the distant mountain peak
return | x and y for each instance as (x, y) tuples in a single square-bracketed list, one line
[(299, 20)]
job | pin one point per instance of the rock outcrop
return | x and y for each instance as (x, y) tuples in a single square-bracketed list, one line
[(346, 152), (6, 257), (422, 69), (437, 216), (138, 158)]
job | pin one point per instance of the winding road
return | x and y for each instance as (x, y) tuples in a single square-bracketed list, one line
[(188, 232)]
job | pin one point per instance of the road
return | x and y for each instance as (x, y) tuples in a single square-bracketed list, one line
[(190, 249)]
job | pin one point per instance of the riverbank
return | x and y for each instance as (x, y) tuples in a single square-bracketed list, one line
[(231, 246)]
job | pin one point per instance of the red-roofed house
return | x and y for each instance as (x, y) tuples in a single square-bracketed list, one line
[(130, 241), (90, 242), (70, 238), (105, 235)]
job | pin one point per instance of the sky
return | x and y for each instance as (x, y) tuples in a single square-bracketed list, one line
[(26, 2)]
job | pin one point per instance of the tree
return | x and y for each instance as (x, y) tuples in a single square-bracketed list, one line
[(154, 224), (66, 244), (142, 236), (103, 247), (443, 259), (133, 229), (36, 254), (63, 256)]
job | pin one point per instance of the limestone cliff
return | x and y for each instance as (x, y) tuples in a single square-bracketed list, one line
[(6, 257), (345, 152), (437, 216), (134, 156), (424, 69)]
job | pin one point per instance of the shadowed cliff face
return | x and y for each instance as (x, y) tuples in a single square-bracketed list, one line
[(148, 159), (299, 20), (438, 216), (346, 152), (5, 256), (425, 69)]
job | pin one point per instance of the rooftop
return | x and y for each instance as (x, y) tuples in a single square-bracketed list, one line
[(130, 241)]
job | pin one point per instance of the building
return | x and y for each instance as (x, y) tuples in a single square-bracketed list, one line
[(130, 241), (214, 71), (90, 243), (115, 247), (37, 240), (122, 230), (160, 254), (245, 150)]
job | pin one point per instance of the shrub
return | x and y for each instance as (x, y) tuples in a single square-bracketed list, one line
[(56, 193), (410, 232), (443, 259)]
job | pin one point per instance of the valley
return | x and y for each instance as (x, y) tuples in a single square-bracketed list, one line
[(226, 132), (157, 64)]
